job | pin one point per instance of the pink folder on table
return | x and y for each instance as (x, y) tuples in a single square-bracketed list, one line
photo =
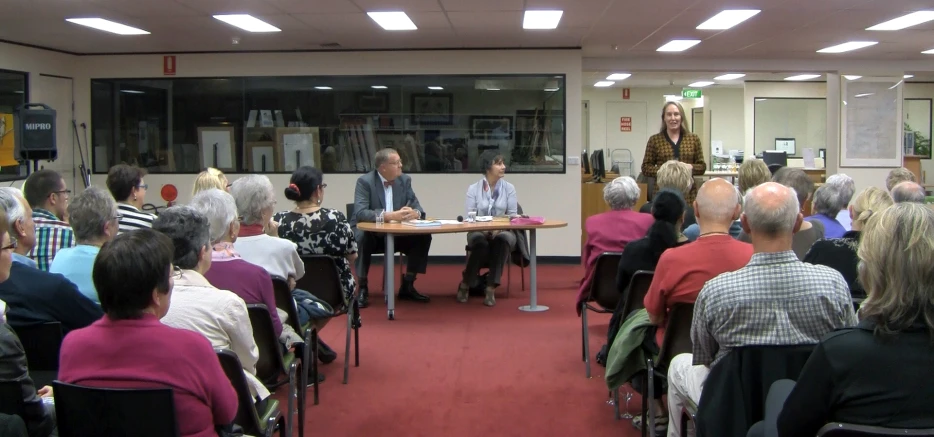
[(527, 220)]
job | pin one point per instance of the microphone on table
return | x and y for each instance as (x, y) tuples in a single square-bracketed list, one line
[(460, 218)]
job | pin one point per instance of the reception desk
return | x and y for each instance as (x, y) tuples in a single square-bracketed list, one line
[(592, 202)]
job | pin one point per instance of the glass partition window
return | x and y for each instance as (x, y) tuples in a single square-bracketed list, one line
[(917, 127), (439, 124), (13, 93), (790, 124)]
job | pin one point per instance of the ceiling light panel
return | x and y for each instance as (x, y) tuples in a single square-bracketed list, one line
[(323, 88), (730, 76), (392, 20), (847, 47), (378, 87), (248, 23), (727, 19), (603, 84), (928, 52), (908, 76), (618, 76), (905, 21), (107, 26), (678, 45), (802, 77), (541, 19), (436, 88), (851, 77), (700, 84)]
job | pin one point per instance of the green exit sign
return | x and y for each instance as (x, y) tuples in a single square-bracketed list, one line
[(691, 94)]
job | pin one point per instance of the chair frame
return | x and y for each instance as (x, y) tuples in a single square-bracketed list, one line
[(41, 344), (285, 301), (598, 293), (671, 346), (247, 415), (64, 417), (260, 314)]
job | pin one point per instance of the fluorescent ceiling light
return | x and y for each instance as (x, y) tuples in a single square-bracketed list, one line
[(672, 98), (847, 46), (436, 88), (551, 89), (132, 92), (492, 89), (392, 20), (378, 87), (700, 84), (727, 19), (541, 19), (323, 88), (761, 100), (864, 95), (730, 76), (678, 45), (618, 76), (248, 23), (107, 26), (604, 83), (912, 19), (851, 77), (908, 76), (928, 52), (803, 77)]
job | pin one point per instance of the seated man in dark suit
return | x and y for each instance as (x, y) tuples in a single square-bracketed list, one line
[(32, 295), (387, 189)]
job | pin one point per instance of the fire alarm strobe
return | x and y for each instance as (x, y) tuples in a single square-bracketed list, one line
[(34, 124)]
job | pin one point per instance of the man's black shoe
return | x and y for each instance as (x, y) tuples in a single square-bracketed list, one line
[(363, 295), (408, 292)]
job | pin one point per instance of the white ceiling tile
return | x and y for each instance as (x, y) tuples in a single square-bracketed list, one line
[(315, 6), (430, 20), (505, 20), (399, 5), (214, 7), (145, 8), (482, 5)]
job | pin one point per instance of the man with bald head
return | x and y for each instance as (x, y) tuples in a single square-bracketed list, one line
[(774, 300), (683, 270), (908, 192)]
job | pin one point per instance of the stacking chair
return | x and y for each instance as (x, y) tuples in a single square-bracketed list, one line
[(41, 342), (309, 347), (272, 364), (635, 293), (86, 411), (603, 292), (850, 430), (677, 341), (256, 423), (322, 279)]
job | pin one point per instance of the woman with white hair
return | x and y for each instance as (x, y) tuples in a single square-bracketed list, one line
[(829, 201), (611, 231)]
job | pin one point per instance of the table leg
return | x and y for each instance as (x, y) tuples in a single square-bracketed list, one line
[(533, 278), (389, 287)]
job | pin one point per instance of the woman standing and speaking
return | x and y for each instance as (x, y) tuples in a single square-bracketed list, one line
[(674, 140)]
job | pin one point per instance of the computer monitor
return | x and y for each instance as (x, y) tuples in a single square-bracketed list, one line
[(598, 165), (585, 161), (777, 157)]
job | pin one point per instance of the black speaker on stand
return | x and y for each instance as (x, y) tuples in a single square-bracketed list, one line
[(34, 124)]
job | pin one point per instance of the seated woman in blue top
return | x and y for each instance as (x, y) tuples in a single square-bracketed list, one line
[(95, 221), (490, 196)]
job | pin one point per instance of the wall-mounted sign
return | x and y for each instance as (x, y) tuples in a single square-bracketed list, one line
[(625, 124), (691, 94), (625, 93), (168, 65)]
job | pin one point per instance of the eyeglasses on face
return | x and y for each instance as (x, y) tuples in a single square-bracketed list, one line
[(11, 246), (143, 186), (324, 185)]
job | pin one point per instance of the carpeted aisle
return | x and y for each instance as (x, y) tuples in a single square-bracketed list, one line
[(450, 369)]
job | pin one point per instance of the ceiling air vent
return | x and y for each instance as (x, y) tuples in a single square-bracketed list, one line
[(330, 45)]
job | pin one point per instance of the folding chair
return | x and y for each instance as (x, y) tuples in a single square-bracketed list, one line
[(257, 423), (603, 292), (273, 363), (677, 341), (309, 350), (322, 279), (86, 411)]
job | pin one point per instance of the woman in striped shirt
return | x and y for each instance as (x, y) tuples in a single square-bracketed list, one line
[(125, 183)]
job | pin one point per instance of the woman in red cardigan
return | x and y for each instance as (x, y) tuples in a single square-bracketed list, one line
[(674, 140)]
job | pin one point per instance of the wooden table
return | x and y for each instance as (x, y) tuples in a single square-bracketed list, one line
[(390, 230)]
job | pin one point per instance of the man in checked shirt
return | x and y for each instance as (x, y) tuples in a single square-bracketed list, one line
[(47, 194), (774, 300)]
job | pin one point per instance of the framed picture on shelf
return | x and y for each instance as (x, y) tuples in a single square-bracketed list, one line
[(372, 102), (492, 127), (297, 147), (216, 144), (262, 157), (437, 109)]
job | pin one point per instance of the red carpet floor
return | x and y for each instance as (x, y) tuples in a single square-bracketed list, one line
[(451, 369)]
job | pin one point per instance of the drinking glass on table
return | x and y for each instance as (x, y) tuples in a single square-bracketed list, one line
[(379, 216), (471, 215)]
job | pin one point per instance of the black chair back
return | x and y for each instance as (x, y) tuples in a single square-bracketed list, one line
[(322, 279), (603, 284), (635, 293), (850, 430), (86, 411), (677, 334), (11, 399), (247, 417), (286, 302), (41, 343), (269, 365), (349, 210)]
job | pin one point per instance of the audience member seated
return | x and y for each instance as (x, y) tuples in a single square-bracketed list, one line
[(611, 231), (830, 200), (908, 192), (386, 191), (32, 295), (490, 196), (678, 176), (210, 178), (752, 172), (126, 184), (643, 254), (218, 315), (38, 416), (897, 176), (93, 213), (47, 195), (810, 230), (840, 253), (877, 373), (130, 348), (774, 300)]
